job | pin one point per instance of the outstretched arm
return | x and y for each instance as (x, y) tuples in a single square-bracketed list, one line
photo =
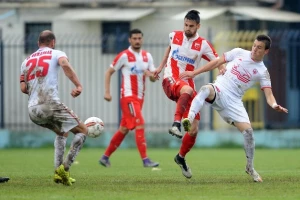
[(150, 75), (272, 102), (207, 67), (70, 73)]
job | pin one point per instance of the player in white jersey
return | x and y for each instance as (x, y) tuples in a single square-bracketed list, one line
[(39, 79), (244, 68), (135, 64), (184, 53)]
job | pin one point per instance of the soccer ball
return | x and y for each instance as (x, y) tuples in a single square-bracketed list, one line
[(95, 126)]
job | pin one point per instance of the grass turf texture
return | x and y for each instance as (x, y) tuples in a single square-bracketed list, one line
[(217, 174)]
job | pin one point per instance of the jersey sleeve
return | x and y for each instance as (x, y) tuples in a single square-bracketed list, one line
[(22, 74), (171, 36), (119, 61), (61, 54), (209, 51), (265, 80), (151, 67), (230, 55)]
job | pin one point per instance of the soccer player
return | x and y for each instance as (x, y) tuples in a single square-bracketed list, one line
[(244, 69), (184, 53), (135, 64), (39, 79), (4, 179)]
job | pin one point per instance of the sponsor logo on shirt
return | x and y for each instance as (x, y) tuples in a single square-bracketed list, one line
[(176, 56), (241, 73), (135, 70)]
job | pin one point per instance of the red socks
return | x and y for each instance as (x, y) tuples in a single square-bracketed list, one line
[(186, 144), (181, 106), (114, 143), (141, 142)]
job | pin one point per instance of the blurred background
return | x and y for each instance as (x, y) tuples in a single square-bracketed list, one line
[(92, 32)]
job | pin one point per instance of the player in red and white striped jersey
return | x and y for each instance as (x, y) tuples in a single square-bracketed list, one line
[(184, 53), (135, 64)]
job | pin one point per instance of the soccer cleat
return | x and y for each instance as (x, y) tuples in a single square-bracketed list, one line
[(176, 130), (256, 177), (64, 175), (148, 163), (73, 180), (186, 124), (186, 171), (58, 179), (104, 161), (4, 179)]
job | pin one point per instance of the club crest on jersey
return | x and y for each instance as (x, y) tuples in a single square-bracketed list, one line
[(135, 70), (255, 71), (176, 56), (197, 46)]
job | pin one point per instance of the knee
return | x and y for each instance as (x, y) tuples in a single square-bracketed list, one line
[(194, 131), (205, 89), (123, 130), (187, 89)]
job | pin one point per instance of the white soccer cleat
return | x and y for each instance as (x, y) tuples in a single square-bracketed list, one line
[(175, 131), (185, 169), (256, 177)]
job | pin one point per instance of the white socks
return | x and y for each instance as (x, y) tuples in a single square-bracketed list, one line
[(59, 150), (249, 146), (76, 145), (198, 102)]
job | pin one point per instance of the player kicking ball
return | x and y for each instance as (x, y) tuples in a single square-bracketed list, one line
[(244, 68)]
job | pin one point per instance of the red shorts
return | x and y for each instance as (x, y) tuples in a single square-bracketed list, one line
[(172, 89), (131, 112)]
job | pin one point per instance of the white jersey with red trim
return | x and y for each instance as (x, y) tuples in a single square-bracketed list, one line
[(242, 73), (133, 66), (186, 54), (40, 73)]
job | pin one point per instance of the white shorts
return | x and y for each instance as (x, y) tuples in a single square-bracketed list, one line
[(54, 116), (230, 108)]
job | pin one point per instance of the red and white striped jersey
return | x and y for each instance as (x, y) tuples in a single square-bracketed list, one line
[(186, 54), (133, 66), (242, 73), (40, 73)]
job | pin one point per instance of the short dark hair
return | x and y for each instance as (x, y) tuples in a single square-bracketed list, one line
[(265, 39), (193, 15), (135, 31), (46, 37)]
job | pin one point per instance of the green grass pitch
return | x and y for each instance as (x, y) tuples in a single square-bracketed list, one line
[(217, 174)]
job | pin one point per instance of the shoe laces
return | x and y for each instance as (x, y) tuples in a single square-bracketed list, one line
[(178, 125)]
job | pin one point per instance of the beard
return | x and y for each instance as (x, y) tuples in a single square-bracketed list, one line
[(136, 47), (189, 34)]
